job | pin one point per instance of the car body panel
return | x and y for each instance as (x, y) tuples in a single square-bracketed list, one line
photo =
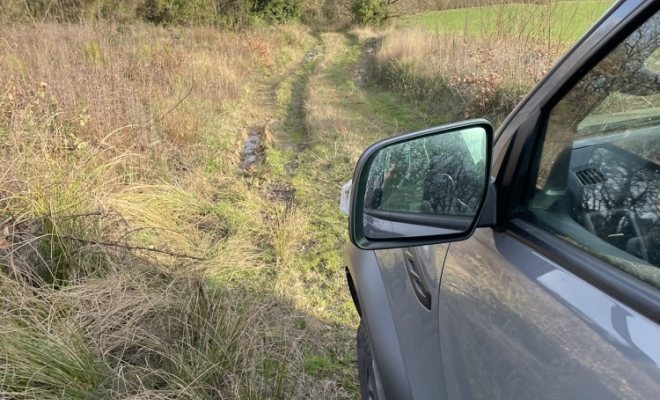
[(404, 334), (374, 303), (417, 327), (522, 327)]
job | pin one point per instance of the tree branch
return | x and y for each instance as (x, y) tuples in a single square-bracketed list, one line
[(129, 247), (177, 104)]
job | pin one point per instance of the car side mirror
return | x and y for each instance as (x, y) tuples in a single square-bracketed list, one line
[(421, 188)]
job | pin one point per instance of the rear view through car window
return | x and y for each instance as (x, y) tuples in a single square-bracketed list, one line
[(598, 179)]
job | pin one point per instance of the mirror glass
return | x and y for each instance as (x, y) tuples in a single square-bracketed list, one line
[(429, 185)]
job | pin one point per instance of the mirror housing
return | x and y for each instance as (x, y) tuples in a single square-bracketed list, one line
[(421, 188)]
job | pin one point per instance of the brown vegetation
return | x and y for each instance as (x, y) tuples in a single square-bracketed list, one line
[(137, 258), (460, 77)]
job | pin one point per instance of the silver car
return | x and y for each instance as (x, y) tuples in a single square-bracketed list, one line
[(522, 263)]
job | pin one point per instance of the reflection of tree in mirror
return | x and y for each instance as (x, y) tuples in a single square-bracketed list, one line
[(442, 174), (393, 179), (454, 184)]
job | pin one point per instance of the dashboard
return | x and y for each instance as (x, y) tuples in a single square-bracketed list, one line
[(612, 187)]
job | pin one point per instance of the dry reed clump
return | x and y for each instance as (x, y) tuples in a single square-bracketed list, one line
[(91, 310), (483, 77), (141, 331)]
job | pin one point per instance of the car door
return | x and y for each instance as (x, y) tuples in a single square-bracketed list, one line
[(559, 302), (412, 282)]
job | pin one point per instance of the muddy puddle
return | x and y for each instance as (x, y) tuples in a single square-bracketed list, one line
[(361, 71), (311, 54), (253, 148), (281, 191)]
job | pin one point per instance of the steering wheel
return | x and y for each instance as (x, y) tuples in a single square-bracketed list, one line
[(635, 245)]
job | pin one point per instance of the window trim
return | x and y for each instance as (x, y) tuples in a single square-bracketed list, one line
[(616, 283)]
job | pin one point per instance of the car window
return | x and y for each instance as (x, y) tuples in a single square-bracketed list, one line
[(597, 182)]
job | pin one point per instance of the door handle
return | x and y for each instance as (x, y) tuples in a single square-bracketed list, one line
[(420, 288)]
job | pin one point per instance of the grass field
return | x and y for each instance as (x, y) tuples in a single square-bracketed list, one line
[(139, 260), (557, 21)]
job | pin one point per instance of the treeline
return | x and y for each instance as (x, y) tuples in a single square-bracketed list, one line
[(221, 13), (226, 13)]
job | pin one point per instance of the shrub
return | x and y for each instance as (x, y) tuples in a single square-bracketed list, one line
[(369, 12), (153, 11), (278, 11), (219, 13), (118, 11), (178, 12), (235, 13)]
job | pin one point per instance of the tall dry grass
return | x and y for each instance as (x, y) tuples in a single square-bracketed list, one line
[(481, 61), (131, 245), (121, 87), (461, 76)]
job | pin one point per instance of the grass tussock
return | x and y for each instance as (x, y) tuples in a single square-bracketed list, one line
[(138, 260), (142, 332)]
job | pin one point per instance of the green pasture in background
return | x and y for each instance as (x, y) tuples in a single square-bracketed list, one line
[(559, 21)]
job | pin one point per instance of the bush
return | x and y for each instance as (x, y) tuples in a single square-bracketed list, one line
[(235, 13), (118, 11), (369, 12), (219, 13), (178, 12), (153, 11), (279, 11)]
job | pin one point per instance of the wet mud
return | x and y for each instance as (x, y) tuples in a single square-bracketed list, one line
[(253, 148)]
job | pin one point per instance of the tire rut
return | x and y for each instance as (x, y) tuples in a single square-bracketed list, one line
[(294, 123), (292, 132)]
